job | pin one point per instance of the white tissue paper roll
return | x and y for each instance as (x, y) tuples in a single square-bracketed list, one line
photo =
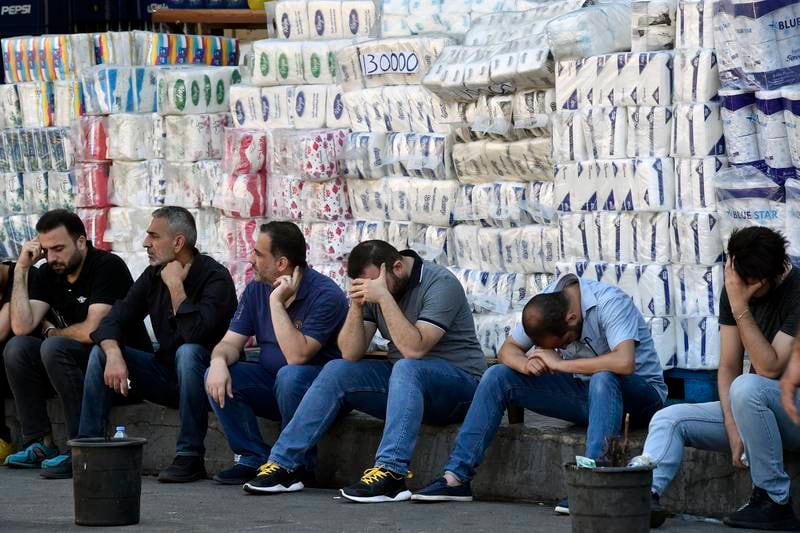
[(336, 115), (67, 104), (265, 63), (605, 132), (128, 183), (698, 343), (662, 329), (791, 117), (695, 24), (696, 75), (654, 184), (135, 137), (656, 286), (397, 234), (696, 238), (578, 237), (738, 112), (291, 17), (616, 237), (568, 137), (773, 139), (369, 199), (188, 138), (697, 289), (694, 182), (325, 19), (652, 25), (399, 198), (246, 107), (36, 100), (359, 17), (432, 201), (645, 78), (489, 248), (653, 237), (697, 130), (468, 254), (127, 228), (649, 131)]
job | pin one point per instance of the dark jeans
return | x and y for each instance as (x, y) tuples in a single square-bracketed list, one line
[(180, 386), (5, 392), (35, 368)]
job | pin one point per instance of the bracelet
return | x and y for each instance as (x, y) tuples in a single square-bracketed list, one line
[(746, 310), (48, 330)]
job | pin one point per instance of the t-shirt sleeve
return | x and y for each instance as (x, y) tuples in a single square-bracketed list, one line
[(242, 321), (441, 302), (519, 336), (725, 313), (619, 319), (38, 284), (110, 282), (792, 321), (328, 312)]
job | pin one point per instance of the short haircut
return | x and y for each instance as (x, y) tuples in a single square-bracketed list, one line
[(61, 217), (180, 220), (373, 252), (286, 240), (759, 253), (550, 310)]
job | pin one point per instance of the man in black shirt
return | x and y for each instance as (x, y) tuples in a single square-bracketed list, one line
[(6, 284), (190, 299), (52, 320), (759, 315)]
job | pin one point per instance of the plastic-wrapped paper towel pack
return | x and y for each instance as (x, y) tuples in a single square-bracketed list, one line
[(327, 241), (696, 238), (191, 90), (792, 231), (694, 24), (135, 137), (67, 102), (244, 151), (284, 195), (697, 130), (243, 195), (739, 122), (326, 201), (694, 182), (127, 228), (697, 343), (662, 329), (652, 25), (322, 19), (96, 222), (129, 183), (238, 236), (90, 139), (747, 197), (697, 289)]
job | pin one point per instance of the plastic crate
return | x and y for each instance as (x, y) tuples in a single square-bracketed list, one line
[(691, 386)]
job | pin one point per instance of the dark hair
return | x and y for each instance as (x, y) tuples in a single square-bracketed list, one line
[(550, 310), (180, 220), (61, 217), (373, 252), (286, 241), (759, 253)]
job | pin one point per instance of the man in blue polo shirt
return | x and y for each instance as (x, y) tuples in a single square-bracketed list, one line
[(296, 314)]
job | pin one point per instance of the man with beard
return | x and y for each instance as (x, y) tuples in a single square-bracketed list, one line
[(190, 299), (582, 353), (431, 373), (295, 314), (68, 297)]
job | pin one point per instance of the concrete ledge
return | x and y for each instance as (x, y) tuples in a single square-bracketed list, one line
[(524, 461)]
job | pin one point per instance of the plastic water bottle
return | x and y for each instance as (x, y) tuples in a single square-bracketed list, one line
[(120, 433)]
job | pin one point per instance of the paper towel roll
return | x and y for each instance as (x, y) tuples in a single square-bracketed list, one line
[(739, 122), (695, 24), (245, 151), (308, 106), (697, 289), (133, 137), (662, 330), (568, 137), (265, 66), (605, 132), (616, 237), (694, 182), (697, 130), (656, 285), (359, 17), (696, 75), (653, 237), (649, 131), (698, 343), (696, 238), (654, 184)]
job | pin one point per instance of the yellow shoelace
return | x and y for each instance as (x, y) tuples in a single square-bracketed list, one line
[(375, 474), (267, 469)]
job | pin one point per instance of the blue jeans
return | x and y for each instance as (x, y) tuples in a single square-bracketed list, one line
[(405, 394), (257, 392), (181, 386), (763, 425), (599, 403)]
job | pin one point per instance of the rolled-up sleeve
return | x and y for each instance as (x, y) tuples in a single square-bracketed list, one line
[(199, 322)]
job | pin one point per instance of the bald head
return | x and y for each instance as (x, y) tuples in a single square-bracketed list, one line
[(545, 315)]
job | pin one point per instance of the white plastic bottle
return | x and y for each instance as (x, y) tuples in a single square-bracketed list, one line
[(120, 433)]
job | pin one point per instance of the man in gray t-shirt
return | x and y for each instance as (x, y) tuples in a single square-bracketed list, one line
[(430, 376)]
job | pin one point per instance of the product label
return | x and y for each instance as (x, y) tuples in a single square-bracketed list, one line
[(220, 92), (180, 95), (283, 66), (316, 65), (264, 63), (207, 88), (389, 63), (195, 93)]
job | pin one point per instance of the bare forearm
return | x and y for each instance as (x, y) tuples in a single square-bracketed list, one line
[(292, 342), (177, 295), (610, 362), (725, 377), (21, 312), (405, 335), (352, 337), (762, 354), (111, 348), (79, 332), (513, 357), (226, 352)]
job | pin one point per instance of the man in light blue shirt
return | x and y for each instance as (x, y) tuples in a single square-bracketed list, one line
[(582, 353)]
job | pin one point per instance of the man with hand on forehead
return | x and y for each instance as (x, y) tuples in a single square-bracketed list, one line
[(53, 317), (295, 314), (431, 373)]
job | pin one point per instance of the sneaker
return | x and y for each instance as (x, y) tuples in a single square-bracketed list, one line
[(238, 474), (760, 512), (184, 469), (439, 491), (657, 514), (379, 485), (562, 507), (59, 467), (272, 479), (6, 449), (32, 456)]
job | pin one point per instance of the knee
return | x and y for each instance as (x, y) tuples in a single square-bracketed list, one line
[(602, 384), (406, 369), (18, 350), (290, 376), (496, 377), (335, 370), (53, 349), (664, 420), (744, 390), (191, 357)]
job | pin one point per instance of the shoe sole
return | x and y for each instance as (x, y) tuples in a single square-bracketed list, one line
[(24, 465), (786, 525), (50, 475), (276, 489), (561, 510), (239, 482), (400, 497), (427, 498)]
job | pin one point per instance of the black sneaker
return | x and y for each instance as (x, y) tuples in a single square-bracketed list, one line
[(760, 512), (272, 479), (562, 507), (238, 474), (657, 514), (184, 469), (378, 485), (439, 491), (59, 467)]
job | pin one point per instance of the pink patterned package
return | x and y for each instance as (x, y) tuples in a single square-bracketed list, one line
[(321, 154), (238, 236), (91, 181), (96, 223), (337, 271), (89, 138), (285, 195), (245, 151), (327, 242), (327, 201), (243, 195)]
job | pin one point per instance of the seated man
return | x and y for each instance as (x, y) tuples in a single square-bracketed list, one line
[(430, 376), (295, 314), (758, 314), (582, 353), (75, 289), (6, 285), (190, 299)]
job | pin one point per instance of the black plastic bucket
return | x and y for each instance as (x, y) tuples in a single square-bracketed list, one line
[(609, 499), (107, 481)]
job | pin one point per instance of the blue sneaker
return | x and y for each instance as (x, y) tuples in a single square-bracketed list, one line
[(562, 507), (439, 491), (31, 457), (59, 467)]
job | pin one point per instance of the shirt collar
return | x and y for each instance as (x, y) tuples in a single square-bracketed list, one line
[(305, 284), (416, 270)]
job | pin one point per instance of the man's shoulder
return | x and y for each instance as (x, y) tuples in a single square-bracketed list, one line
[(211, 265)]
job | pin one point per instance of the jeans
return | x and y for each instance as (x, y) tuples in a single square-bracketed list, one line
[(181, 386), (405, 394), (35, 368), (257, 392), (763, 425), (599, 403), (5, 392)]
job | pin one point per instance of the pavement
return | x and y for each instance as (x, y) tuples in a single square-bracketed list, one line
[(29, 503)]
